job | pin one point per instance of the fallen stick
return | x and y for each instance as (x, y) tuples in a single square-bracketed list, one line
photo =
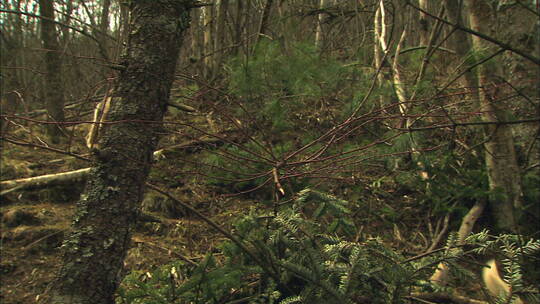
[(80, 175), (43, 180), (440, 277)]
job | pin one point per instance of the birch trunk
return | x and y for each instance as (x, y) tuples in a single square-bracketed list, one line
[(319, 30), (500, 156), (207, 42)]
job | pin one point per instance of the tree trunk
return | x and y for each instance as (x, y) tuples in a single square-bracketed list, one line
[(104, 28), (19, 75), (208, 46), (425, 23), (220, 33), (238, 26), (524, 77), (54, 89), (93, 253), (501, 163), (121, 33), (378, 43), (68, 11), (11, 80), (460, 41), (319, 30), (264, 30)]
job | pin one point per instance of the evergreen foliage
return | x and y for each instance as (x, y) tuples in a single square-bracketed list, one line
[(455, 183), (531, 191), (292, 87), (308, 250), (234, 173), (273, 72), (513, 250)]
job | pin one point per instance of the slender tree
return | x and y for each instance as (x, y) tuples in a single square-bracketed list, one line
[(54, 89), (10, 82), (208, 52), (264, 29), (459, 40), (461, 44), (239, 22), (104, 27), (221, 32), (67, 18), (320, 18), (501, 163), (93, 253), (379, 44), (425, 23)]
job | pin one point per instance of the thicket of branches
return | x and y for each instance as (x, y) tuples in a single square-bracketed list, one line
[(376, 102)]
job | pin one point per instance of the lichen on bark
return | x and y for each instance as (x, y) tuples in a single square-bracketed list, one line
[(93, 253)]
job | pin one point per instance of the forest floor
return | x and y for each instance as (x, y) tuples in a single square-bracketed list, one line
[(34, 222), (32, 234)]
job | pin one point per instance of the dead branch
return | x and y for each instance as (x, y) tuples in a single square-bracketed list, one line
[(440, 276)]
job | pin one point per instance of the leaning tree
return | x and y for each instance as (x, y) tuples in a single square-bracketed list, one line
[(108, 209)]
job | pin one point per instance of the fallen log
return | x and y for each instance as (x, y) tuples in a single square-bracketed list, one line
[(43, 181), (80, 175)]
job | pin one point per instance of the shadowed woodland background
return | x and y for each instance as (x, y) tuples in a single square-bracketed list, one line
[(316, 151)]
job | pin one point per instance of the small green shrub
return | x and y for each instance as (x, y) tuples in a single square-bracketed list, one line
[(231, 169), (454, 183), (304, 254)]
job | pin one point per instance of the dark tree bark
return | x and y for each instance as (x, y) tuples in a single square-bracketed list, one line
[(238, 26), (93, 253), (264, 28), (104, 18), (460, 40), (221, 34), (425, 23), (10, 82), (104, 29), (54, 89)]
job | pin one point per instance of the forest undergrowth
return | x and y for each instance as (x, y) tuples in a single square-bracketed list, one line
[(296, 180)]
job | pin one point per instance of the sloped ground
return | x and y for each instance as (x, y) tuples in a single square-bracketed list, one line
[(33, 224), (32, 234), (32, 227)]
